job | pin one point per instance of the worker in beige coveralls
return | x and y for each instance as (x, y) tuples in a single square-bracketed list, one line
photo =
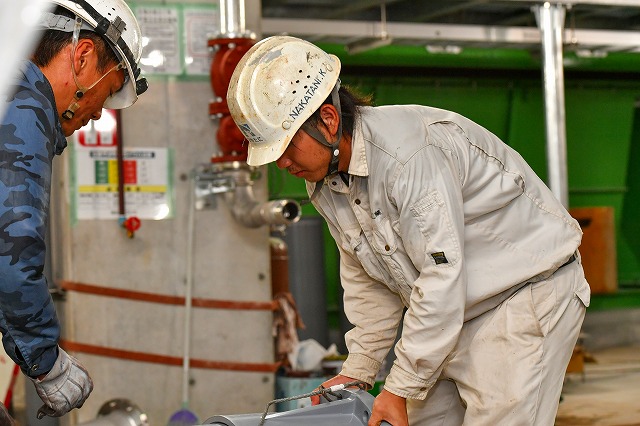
[(436, 218)]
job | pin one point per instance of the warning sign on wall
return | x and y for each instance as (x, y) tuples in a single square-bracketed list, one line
[(144, 171), (98, 168)]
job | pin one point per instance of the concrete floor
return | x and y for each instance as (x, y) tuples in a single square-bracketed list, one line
[(607, 394)]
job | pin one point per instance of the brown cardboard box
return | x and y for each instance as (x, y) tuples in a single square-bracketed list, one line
[(598, 248), (576, 363)]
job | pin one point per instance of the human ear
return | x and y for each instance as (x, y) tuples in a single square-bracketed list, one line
[(83, 53), (330, 119)]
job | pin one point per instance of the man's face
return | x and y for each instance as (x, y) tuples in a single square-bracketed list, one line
[(90, 105), (305, 157)]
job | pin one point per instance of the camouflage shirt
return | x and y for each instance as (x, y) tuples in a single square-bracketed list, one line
[(30, 136)]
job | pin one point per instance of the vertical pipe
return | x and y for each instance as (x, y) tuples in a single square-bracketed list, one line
[(120, 163), (186, 358), (550, 20), (279, 266), (307, 282), (232, 18)]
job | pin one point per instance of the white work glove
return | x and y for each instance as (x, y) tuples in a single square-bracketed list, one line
[(65, 387)]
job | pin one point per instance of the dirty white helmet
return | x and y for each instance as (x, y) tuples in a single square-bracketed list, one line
[(277, 85), (115, 22)]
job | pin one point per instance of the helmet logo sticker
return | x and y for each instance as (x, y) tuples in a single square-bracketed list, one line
[(249, 134)]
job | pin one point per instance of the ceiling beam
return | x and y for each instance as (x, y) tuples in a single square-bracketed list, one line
[(350, 30), (425, 11), (624, 3), (352, 7)]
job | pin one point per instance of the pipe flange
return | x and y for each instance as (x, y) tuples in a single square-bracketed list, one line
[(127, 406)]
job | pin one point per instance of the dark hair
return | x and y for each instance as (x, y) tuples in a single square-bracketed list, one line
[(53, 41), (350, 100)]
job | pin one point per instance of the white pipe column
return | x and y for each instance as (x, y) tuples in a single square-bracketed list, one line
[(550, 20), (232, 18)]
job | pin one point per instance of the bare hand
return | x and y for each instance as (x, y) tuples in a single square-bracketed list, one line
[(390, 408), (336, 380)]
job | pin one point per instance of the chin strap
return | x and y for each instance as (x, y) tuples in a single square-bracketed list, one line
[(73, 106), (334, 147), (70, 111)]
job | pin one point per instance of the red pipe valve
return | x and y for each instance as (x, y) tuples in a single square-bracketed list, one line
[(131, 224), (228, 52)]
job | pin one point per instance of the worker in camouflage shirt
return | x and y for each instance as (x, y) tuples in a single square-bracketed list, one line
[(86, 59)]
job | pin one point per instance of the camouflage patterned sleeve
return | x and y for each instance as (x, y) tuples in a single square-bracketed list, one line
[(28, 135)]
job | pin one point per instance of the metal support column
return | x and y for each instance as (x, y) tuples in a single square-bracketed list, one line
[(550, 18)]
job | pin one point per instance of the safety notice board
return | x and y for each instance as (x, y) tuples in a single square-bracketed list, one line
[(97, 170)]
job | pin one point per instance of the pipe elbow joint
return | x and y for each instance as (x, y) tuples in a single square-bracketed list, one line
[(276, 212)]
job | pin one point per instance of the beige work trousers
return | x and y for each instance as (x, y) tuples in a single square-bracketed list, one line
[(509, 364)]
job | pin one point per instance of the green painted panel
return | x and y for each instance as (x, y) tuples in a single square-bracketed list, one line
[(526, 126), (480, 58), (629, 225), (487, 104), (599, 122), (411, 56), (621, 300)]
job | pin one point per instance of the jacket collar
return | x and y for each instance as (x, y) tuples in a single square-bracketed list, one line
[(358, 163)]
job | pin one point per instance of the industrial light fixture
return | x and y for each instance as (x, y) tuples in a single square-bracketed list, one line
[(448, 49), (591, 53), (369, 44)]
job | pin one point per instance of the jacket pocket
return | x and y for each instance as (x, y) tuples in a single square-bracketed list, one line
[(433, 221)]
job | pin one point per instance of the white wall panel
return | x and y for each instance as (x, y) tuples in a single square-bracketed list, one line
[(230, 262)]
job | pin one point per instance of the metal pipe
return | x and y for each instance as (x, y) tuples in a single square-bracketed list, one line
[(279, 266), (550, 20), (119, 412), (188, 302), (235, 180), (232, 19), (251, 213), (278, 212)]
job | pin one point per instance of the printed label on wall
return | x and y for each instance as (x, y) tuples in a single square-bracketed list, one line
[(145, 173), (199, 26), (161, 40), (175, 37)]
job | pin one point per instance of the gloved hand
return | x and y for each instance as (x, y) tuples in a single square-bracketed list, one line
[(65, 387)]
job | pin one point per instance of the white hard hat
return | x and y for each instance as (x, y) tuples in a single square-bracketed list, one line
[(115, 22), (277, 85)]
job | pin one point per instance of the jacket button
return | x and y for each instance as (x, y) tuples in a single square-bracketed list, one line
[(387, 248), (34, 367), (358, 201)]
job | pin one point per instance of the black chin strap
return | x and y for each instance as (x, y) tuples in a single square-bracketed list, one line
[(334, 147)]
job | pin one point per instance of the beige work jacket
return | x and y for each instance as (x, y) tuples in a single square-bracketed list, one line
[(439, 217)]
